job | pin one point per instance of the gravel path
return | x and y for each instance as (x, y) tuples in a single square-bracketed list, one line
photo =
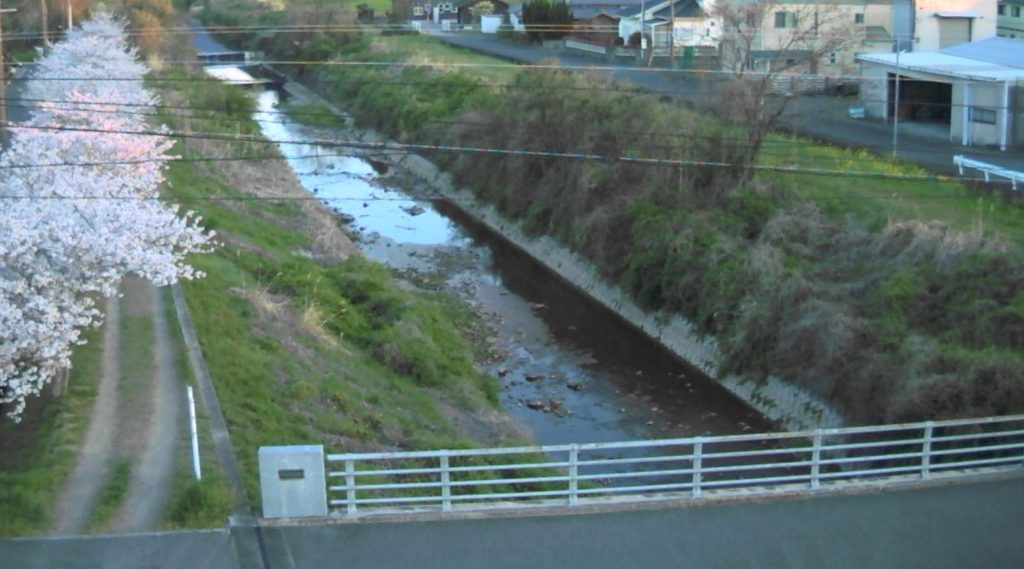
[(154, 471), (75, 503)]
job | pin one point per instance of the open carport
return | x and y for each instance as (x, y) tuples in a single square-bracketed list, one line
[(970, 91)]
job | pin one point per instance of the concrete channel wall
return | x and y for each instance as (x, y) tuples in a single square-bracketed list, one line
[(794, 408)]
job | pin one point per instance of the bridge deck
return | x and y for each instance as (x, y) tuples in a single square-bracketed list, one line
[(942, 526)]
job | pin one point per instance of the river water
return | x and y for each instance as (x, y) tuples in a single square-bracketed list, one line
[(570, 370)]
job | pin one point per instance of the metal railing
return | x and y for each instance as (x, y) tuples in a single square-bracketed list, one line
[(988, 170), (692, 467)]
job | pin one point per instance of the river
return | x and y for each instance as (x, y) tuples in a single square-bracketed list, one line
[(569, 369)]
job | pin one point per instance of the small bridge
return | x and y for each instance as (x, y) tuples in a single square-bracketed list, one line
[(302, 481), (229, 57), (242, 68)]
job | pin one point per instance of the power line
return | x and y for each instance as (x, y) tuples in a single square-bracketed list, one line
[(519, 153)]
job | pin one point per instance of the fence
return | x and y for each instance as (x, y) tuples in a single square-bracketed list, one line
[(691, 467), (988, 170)]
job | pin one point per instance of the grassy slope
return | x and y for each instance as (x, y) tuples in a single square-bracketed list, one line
[(303, 352)]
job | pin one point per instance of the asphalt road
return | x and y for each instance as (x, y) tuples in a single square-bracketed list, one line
[(950, 526), (820, 117)]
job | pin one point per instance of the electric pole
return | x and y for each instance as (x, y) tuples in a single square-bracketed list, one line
[(3, 80), (672, 34)]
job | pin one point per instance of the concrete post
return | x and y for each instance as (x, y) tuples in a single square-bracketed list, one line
[(293, 481)]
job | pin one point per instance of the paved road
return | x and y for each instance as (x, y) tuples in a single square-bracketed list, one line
[(952, 526), (823, 118)]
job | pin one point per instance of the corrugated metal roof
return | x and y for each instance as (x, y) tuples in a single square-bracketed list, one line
[(993, 59), (1002, 51)]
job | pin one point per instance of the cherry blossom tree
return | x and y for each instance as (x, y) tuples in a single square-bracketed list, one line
[(80, 209)]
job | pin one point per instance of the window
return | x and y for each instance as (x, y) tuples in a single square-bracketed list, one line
[(785, 20), (1015, 11), (858, 18), (832, 58), (1001, 9), (983, 116)]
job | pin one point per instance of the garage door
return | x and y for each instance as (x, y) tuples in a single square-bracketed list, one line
[(953, 31)]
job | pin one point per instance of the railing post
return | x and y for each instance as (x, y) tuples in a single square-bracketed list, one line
[(446, 483), (574, 459), (698, 449), (926, 450), (350, 486), (816, 460)]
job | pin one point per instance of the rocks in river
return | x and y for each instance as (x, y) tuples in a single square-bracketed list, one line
[(532, 377), (555, 406), (346, 218), (413, 210), (502, 372), (574, 385)]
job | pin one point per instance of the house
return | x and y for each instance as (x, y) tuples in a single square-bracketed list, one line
[(459, 11), (424, 10), (686, 23), (1010, 20), (969, 93), (465, 9), (804, 38), (597, 25), (929, 25)]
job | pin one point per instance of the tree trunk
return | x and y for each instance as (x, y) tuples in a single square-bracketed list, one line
[(59, 388)]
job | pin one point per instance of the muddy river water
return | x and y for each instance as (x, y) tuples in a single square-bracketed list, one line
[(569, 370)]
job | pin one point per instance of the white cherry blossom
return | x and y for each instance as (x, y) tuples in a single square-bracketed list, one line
[(70, 233)]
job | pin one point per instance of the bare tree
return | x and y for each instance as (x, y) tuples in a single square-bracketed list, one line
[(769, 50)]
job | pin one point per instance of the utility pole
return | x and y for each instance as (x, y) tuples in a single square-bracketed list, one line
[(3, 80), (896, 106), (70, 23), (672, 34), (643, 38)]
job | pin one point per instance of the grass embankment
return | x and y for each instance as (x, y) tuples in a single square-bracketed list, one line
[(891, 298), (302, 349), (37, 454)]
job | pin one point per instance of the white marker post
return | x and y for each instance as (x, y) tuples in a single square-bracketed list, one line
[(195, 439)]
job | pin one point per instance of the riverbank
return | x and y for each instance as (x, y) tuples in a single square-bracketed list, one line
[(780, 402)]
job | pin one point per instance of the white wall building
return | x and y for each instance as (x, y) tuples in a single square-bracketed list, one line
[(973, 89)]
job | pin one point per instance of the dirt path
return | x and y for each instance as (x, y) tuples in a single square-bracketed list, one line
[(75, 503), (154, 468)]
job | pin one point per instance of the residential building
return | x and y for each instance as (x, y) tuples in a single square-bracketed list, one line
[(937, 24), (1010, 18)]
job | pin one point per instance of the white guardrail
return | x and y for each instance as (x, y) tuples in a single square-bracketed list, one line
[(692, 467), (988, 170)]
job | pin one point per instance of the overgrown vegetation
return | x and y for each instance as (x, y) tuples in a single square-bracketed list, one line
[(112, 495), (893, 299)]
